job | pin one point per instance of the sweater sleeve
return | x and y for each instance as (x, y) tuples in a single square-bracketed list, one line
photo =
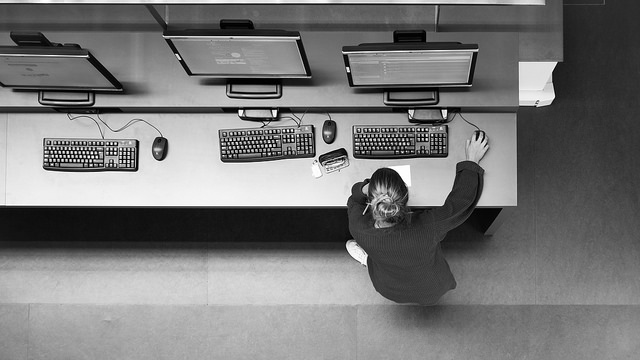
[(462, 200), (358, 200)]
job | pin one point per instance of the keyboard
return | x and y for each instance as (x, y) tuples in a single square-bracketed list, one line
[(75, 154), (264, 144), (399, 141)]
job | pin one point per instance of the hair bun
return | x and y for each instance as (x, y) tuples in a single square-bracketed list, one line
[(388, 196), (384, 198), (386, 207)]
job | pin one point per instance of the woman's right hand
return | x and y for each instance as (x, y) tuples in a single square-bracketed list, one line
[(477, 147), (365, 186)]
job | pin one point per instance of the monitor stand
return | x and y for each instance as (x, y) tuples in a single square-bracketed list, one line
[(427, 115), (256, 89), (66, 98), (411, 97)]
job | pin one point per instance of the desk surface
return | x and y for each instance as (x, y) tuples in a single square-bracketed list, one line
[(154, 81), (193, 175)]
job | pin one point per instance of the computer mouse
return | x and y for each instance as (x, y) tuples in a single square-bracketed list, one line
[(160, 148), (480, 134), (329, 129)]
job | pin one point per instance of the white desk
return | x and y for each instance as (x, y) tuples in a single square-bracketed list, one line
[(193, 175)]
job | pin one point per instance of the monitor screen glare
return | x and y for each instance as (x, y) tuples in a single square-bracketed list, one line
[(53, 71), (411, 68), (241, 57)]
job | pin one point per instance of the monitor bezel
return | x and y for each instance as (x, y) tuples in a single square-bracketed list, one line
[(410, 47), (169, 35), (61, 52)]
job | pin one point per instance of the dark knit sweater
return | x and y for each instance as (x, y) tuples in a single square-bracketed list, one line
[(405, 261)]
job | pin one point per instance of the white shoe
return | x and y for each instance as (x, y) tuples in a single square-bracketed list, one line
[(357, 252)]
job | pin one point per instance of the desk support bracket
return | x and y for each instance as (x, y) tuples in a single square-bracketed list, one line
[(156, 15)]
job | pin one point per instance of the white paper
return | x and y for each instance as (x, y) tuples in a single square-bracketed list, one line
[(405, 173)]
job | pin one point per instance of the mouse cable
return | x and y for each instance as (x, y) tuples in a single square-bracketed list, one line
[(293, 119), (268, 122), (296, 119), (265, 123), (131, 122), (299, 118), (463, 118), (74, 118)]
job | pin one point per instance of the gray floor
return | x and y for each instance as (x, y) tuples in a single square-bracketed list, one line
[(560, 280)]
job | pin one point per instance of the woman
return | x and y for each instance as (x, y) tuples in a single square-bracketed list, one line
[(400, 247)]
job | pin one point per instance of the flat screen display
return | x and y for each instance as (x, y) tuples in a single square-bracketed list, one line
[(410, 65), (53, 68), (262, 54)]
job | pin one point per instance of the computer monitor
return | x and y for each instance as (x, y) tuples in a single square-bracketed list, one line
[(253, 61), (63, 75), (410, 72)]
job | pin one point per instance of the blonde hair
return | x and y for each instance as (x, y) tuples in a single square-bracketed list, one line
[(388, 196)]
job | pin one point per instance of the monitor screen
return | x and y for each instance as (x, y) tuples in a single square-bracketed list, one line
[(240, 53), (54, 68), (396, 65)]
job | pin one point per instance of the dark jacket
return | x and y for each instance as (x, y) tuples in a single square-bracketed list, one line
[(405, 261)]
